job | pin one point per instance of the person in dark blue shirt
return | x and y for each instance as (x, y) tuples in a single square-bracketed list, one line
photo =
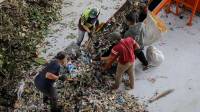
[(44, 81)]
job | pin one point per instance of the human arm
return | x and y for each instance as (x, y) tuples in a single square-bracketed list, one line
[(51, 76), (52, 70), (125, 28), (110, 60), (86, 28), (83, 22), (97, 23), (136, 45), (105, 58)]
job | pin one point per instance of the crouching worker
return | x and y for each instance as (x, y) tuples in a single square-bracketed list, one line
[(44, 81), (87, 23), (123, 52)]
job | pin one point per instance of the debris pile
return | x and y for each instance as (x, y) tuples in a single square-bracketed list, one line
[(91, 91), (100, 42), (23, 25)]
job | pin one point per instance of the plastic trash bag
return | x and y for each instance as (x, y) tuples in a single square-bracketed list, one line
[(153, 28), (154, 56)]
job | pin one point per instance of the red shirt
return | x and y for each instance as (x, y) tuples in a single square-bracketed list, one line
[(124, 50)]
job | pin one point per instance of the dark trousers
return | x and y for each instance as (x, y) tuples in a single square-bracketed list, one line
[(49, 93), (140, 55)]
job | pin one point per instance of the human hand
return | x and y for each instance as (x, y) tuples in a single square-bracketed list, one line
[(89, 31), (62, 77)]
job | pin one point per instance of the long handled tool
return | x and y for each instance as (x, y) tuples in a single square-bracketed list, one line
[(163, 94)]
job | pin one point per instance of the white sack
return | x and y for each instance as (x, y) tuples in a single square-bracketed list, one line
[(154, 56)]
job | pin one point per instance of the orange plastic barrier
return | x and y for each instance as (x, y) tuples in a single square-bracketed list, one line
[(193, 5), (191, 2)]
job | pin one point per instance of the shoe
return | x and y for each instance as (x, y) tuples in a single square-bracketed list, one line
[(128, 86), (145, 68)]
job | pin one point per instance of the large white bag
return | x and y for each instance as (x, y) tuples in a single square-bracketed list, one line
[(153, 28), (154, 56)]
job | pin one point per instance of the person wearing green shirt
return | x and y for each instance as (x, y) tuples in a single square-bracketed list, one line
[(87, 23)]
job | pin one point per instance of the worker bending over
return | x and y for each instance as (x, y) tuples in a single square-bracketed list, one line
[(123, 52), (87, 23), (136, 31), (44, 81)]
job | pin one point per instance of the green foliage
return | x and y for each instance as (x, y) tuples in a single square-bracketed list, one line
[(23, 25)]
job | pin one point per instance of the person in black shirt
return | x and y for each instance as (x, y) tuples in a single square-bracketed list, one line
[(44, 81)]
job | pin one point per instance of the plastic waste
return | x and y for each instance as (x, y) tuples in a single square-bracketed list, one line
[(71, 68), (20, 89), (154, 56), (151, 31), (73, 52), (120, 100)]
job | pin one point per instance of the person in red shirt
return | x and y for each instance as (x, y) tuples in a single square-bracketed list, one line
[(123, 52)]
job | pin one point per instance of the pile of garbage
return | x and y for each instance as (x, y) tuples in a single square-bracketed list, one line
[(23, 26), (100, 41), (89, 89)]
